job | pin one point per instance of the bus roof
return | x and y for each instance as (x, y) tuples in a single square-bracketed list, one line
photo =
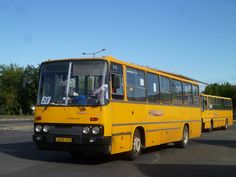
[(146, 68), (213, 96)]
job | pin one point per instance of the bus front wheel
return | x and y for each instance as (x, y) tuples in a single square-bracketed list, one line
[(136, 146), (183, 143)]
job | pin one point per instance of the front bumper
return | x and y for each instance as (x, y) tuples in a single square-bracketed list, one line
[(78, 141), (99, 144)]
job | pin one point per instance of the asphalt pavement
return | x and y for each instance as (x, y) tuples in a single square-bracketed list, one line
[(214, 154)]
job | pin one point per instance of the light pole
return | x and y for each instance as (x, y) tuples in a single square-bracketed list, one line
[(94, 53)]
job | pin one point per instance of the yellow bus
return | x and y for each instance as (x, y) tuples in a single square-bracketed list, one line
[(110, 106), (216, 112)]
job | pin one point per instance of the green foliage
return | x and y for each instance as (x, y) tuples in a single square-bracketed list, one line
[(224, 90), (28, 90), (18, 89)]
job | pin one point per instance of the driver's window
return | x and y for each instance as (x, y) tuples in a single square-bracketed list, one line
[(117, 76)]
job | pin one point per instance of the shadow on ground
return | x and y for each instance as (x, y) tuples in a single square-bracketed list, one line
[(182, 170), (28, 150), (224, 143)]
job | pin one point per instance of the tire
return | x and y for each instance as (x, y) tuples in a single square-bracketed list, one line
[(136, 146), (211, 127), (203, 126), (226, 125), (183, 143)]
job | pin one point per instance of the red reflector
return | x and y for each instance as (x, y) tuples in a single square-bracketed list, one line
[(93, 119), (38, 118)]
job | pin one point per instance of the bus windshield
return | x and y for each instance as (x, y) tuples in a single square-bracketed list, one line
[(83, 82)]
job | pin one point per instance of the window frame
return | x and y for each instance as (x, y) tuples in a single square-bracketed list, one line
[(184, 96), (172, 86), (196, 105), (157, 87), (118, 96), (134, 86), (169, 101)]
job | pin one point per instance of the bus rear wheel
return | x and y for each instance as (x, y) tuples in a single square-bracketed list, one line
[(226, 125), (136, 146), (183, 143), (211, 127)]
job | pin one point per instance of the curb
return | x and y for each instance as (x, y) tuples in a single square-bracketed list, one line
[(15, 119), (22, 127)]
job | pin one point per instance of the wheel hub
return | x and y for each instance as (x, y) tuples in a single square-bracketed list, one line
[(185, 137), (137, 144)]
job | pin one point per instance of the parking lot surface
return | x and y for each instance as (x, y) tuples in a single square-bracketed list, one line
[(214, 154)]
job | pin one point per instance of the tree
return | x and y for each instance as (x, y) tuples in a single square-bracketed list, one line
[(18, 89), (9, 87), (28, 89)]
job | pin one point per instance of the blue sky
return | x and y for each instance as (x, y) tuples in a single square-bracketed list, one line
[(196, 38)]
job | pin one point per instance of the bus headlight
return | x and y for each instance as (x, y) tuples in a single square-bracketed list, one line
[(45, 128), (38, 128), (86, 130), (95, 130)]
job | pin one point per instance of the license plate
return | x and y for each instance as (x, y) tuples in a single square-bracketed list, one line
[(63, 140)]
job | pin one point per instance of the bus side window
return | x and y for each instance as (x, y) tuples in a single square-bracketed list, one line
[(204, 103), (117, 81), (177, 92), (195, 95), (210, 103), (136, 89), (188, 94), (153, 89), (165, 89)]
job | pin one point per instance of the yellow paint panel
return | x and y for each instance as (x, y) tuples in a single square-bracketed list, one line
[(165, 128), (153, 138), (120, 144), (70, 115)]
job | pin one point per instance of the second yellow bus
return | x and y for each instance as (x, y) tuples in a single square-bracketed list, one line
[(216, 112)]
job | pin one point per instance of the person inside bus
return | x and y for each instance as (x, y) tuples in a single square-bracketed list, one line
[(76, 98), (100, 94)]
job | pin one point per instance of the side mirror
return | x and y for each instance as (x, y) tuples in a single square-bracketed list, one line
[(115, 81)]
